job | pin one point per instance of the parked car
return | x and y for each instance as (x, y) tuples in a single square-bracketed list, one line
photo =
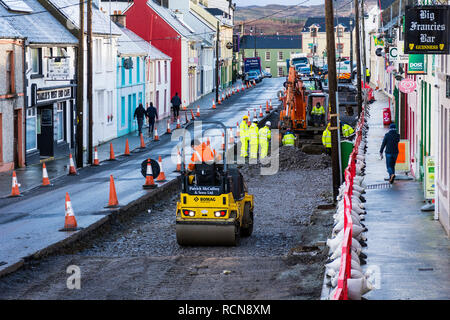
[(267, 74), (254, 75), (304, 71)]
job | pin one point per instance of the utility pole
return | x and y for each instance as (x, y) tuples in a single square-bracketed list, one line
[(217, 62), (363, 22), (89, 81), (332, 86), (80, 90), (358, 56)]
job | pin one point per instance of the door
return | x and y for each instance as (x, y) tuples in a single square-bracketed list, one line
[(45, 137), (130, 113), (16, 139)]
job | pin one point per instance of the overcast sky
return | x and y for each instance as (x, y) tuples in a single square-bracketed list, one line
[(244, 3)]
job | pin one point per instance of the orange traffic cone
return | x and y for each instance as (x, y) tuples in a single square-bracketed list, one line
[(96, 161), (238, 133), (237, 89), (111, 152), (231, 140), (192, 115), (178, 169), (222, 147), (149, 182), (208, 143), (168, 127), (70, 223), (178, 123), (198, 112), (162, 175), (142, 146), (213, 104), (270, 105), (113, 202), (45, 179), (267, 107), (127, 148), (184, 105), (156, 138), (15, 186), (72, 170), (218, 100), (254, 114), (260, 112)]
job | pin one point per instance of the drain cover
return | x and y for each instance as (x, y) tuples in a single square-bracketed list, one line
[(379, 186)]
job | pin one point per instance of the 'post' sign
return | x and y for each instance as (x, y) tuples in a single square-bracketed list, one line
[(426, 29)]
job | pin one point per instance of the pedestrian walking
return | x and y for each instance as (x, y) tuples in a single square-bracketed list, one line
[(264, 138), (151, 114), (253, 135), (139, 113), (176, 102), (390, 147)]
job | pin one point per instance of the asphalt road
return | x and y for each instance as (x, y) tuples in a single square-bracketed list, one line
[(31, 223)]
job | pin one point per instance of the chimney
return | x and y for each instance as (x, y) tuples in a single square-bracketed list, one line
[(119, 18)]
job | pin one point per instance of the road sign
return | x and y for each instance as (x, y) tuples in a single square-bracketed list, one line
[(393, 53)]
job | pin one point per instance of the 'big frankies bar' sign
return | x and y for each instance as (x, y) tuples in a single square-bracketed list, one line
[(426, 29)]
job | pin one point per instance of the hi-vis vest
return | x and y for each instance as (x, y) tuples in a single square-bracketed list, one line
[(347, 130), (367, 72), (288, 139), (253, 133), (326, 138), (243, 129), (318, 111), (264, 135)]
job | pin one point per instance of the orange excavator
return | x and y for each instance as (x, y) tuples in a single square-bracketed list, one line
[(297, 105)]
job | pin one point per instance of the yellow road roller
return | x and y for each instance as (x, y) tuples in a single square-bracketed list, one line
[(215, 208)]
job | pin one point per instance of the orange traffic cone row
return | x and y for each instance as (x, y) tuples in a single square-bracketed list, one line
[(260, 112), (178, 169), (168, 127), (15, 186), (198, 112), (162, 175), (127, 148), (70, 223), (142, 146), (149, 182), (192, 115), (96, 161), (178, 123), (72, 169), (156, 138), (45, 179), (213, 104), (113, 202), (111, 152)]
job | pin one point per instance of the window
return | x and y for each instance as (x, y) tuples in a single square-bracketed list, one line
[(138, 70), (122, 112), (280, 55), (130, 72), (159, 72), (280, 71), (109, 96), (313, 32), (123, 71), (157, 101), (10, 81), (36, 61), (340, 48), (268, 69), (31, 129), (165, 100), (98, 54), (267, 55), (256, 54), (340, 32), (59, 125), (165, 73)]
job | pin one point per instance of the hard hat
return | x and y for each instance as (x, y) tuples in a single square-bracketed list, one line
[(245, 117), (255, 120), (268, 123)]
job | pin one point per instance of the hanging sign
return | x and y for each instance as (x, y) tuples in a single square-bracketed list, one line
[(426, 29), (416, 64), (407, 85)]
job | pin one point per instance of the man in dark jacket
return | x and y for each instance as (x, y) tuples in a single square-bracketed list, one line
[(139, 113), (151, 113), (390, 142), (176, 102)]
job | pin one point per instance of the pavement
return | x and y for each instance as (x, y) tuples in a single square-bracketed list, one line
[(30, 224), (408, 250)]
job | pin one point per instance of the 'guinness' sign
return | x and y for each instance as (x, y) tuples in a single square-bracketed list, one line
[(426, 29)]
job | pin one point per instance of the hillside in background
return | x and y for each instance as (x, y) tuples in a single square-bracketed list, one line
[(290, 20)]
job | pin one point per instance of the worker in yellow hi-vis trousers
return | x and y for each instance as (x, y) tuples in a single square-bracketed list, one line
[(253, 133), (243, 135), (264, 138)]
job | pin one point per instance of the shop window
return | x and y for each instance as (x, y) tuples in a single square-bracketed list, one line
[(60, 121), (31, 129)]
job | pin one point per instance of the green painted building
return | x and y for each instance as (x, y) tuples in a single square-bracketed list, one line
[(272, 49)]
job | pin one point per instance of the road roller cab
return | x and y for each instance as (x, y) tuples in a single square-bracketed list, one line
[(214, 207)]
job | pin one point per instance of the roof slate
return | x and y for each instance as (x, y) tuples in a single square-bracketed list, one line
[(271, 42), (38, 27)]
